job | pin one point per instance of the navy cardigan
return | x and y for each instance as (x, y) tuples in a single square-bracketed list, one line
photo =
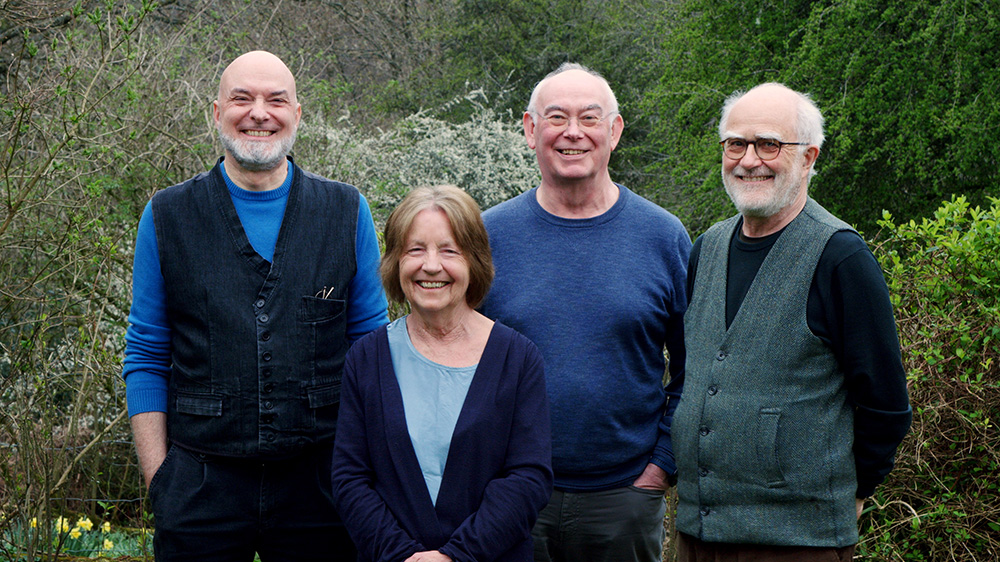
[(497, 477)]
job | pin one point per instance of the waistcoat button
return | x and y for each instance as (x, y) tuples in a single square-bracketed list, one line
[(265, 336), (259, 303), (704, 431), (713, 390), (266, 356), (720, 355), (263, 318)]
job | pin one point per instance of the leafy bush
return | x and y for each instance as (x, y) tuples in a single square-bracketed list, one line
[(89, 128), (487, 156), (906, 88), (942, 502)]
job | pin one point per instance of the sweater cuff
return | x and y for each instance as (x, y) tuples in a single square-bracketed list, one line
[(145, 392)]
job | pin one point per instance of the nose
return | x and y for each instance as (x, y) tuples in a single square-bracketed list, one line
[(258, 112), (432, 262), (573, 128), (750, 159)]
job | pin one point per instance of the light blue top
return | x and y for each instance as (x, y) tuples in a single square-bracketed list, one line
[(147, 354), (433, 395)]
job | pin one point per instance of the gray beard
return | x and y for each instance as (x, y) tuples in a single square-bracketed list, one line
[(255, 157), (785, 193)]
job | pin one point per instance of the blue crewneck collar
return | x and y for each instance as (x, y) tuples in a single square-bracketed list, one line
[(237, 191)]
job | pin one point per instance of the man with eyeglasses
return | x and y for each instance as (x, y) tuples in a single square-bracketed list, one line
[(595, 276), (794, 396)]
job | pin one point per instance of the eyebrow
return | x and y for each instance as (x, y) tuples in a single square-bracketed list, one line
[(235, 91), (763, 135), (590, 107)]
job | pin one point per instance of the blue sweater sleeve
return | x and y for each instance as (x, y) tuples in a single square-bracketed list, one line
[(367, 307), (663, 452), (147, 339)]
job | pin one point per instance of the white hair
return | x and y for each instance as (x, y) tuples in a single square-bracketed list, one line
[(809, 119), (564, 67)]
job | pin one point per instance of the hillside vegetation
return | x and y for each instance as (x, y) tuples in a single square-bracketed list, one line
[(104, 103)]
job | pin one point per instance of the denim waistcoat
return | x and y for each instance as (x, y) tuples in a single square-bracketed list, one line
[(257, 347)]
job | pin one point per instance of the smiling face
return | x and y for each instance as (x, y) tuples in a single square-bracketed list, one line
[(758, 188), (572, 154), (257, 113), (433, 271)]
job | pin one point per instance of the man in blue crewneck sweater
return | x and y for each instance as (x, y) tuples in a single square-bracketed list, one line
[(249, 283), (594, 275)]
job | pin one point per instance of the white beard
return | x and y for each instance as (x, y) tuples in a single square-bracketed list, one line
[(258, 156), (750, 203)]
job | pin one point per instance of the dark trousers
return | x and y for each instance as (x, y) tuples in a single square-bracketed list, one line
[(620, 525), (210, 508), (690, 549)]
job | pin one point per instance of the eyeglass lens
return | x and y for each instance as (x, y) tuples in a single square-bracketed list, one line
[(767, 149)]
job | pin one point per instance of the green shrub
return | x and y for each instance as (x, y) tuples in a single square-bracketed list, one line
[(487, 156), (942, 501)]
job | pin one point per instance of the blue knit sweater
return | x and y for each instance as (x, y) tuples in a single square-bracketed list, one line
[(601, 298)]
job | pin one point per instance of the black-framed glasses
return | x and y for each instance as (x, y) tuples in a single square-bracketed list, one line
[(766, 149)]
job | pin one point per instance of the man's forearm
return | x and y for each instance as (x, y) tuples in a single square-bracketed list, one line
[(149, 430)]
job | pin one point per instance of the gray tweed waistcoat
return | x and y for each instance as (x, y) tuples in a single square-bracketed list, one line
[(763, 432)]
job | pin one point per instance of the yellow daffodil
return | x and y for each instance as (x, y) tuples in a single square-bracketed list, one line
[(34, 522), (62, 525), (84, 523), (106, 527), (108, 545), (75, 533)]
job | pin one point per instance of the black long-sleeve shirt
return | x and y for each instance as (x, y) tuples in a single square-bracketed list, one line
[(849, 310)]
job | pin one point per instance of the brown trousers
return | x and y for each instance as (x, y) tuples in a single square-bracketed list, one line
[(690, 549)]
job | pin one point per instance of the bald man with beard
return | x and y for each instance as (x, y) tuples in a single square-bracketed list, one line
[(794, 394), (250, 281)]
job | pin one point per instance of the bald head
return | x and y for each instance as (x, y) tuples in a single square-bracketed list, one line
[(574, 69), (259, 66), (257, 114), (780, 104)]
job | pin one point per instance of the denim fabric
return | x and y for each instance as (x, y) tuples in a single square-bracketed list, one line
[(257, 346), (219, 509)]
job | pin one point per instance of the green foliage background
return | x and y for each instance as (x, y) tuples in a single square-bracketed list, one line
[(104, 102)]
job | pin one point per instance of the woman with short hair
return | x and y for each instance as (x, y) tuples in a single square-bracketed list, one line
[(443, 449)]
